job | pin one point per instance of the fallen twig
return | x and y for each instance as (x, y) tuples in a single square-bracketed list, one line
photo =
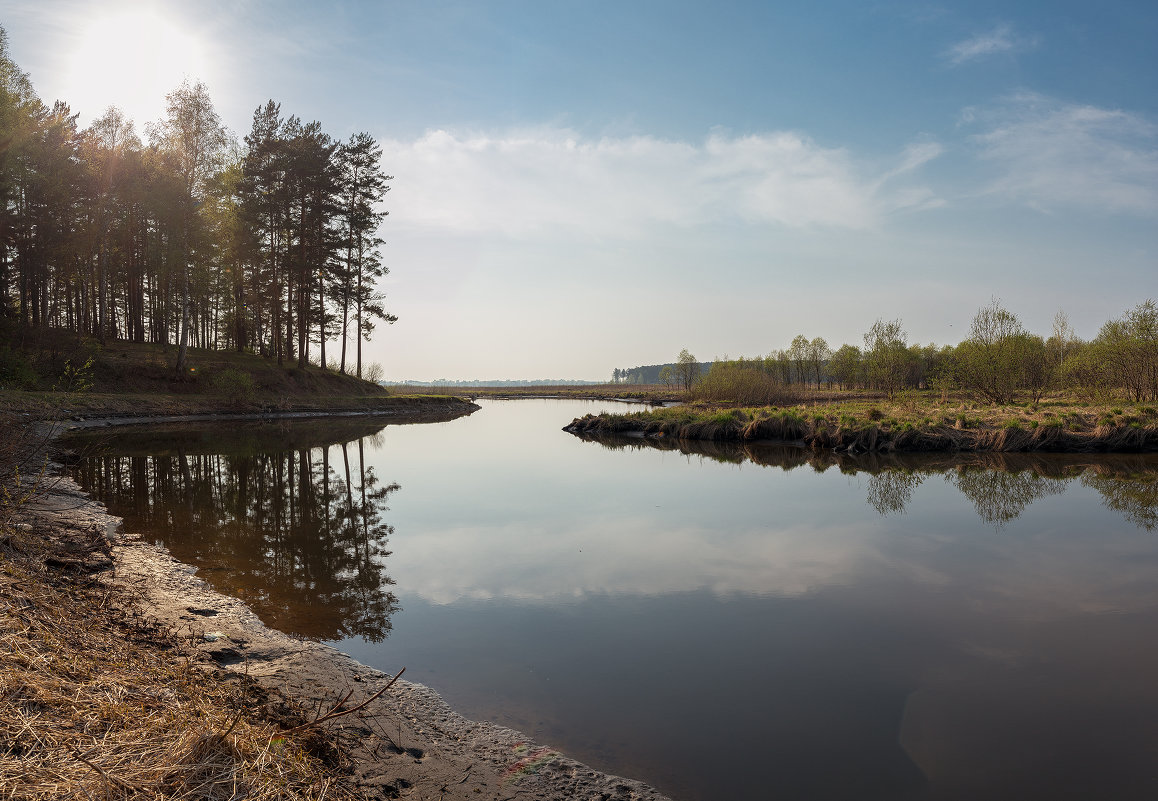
[(336, 710)]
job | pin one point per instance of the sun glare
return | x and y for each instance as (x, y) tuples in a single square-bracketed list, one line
[(131, 59)]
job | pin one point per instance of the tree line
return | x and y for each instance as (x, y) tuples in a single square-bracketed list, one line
[(189, 237), (1000, 362), (650, 374)]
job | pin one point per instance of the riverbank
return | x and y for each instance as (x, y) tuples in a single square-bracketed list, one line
[(904, 426), (225, 691), (118, 408)]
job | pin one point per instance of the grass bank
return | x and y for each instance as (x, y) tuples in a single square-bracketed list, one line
[(916, 422), (56, 376)]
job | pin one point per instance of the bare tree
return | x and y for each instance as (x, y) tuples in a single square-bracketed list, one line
[(818, 353), (886, 356), (1000, 357), (687, 369)]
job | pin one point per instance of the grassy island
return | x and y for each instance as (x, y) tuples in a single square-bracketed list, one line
[(915, 421)]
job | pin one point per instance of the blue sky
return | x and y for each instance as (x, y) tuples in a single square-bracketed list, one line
[(582, 186)]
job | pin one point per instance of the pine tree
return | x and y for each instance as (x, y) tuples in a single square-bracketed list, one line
[(363, 187)]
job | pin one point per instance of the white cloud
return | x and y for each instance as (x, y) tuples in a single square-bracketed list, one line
[(449, 565), (552, 179), (999, 40), (1051, 154)]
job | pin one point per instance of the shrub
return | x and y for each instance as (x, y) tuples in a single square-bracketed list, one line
[(373, 372), (16, 372), (234, 383), (75, 379), (874, 414), (734, 382)]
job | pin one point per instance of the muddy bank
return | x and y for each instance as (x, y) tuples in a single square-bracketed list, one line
[(406, 744), (642, 398), (92, 410), (824, 434)]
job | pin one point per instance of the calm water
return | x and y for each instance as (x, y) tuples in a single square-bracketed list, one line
[(723, 624)]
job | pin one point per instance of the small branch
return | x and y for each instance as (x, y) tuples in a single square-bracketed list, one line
[(233, 723), (334, 710)]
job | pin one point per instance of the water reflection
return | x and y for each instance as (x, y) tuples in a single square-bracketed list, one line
[(1000, 496), (1133, 494), (274, 514), (1001, 486), (890, 491)]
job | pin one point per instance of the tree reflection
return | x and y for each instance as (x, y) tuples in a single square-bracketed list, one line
[(1000, 485), (301, 540), (1000, 496), (889, 492), (1133, 495)]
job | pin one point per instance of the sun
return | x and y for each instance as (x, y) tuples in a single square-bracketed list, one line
[(131, 58)]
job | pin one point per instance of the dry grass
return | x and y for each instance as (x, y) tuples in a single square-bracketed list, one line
[(96, 703), (21, 464)]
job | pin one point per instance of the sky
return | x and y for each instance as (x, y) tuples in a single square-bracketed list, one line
[(580, 186)]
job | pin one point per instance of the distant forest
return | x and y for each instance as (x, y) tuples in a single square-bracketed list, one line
[(648, 373), (189, 237), (446, 382), (1000, 362)]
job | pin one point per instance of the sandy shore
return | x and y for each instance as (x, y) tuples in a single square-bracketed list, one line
[(406, 744)]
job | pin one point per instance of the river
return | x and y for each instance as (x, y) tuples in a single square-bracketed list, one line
[(724, 623)]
